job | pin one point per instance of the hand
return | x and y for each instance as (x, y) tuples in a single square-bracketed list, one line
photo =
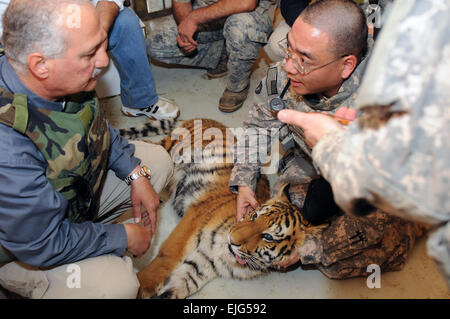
[(292, 259), (246, 202), (316, 125), (142, 193), (139, 238), (186, 30)]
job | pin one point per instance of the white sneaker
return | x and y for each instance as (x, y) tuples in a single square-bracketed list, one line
[(163, 109)]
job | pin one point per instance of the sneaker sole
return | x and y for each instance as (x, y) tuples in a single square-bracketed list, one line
[(151, 117)]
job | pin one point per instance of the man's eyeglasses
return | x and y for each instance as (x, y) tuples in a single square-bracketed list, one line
[(302, 67)]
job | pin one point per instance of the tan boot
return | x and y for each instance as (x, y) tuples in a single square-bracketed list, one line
[(232, 101)]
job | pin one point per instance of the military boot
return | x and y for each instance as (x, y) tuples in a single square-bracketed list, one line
[(232, 101), (221, 69)]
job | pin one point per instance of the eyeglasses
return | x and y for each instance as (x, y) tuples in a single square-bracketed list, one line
[(300, 65)]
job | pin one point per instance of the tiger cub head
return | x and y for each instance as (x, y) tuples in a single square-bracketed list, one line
[(270, 233)]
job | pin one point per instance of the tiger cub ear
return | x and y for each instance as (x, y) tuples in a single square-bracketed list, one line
[(283, 193)]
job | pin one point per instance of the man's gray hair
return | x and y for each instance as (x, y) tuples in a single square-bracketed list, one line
[(34, 26)]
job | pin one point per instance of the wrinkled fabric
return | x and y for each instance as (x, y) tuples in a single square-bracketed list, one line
[(241, 35), (398, 156)]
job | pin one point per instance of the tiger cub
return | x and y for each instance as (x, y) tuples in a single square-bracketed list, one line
[(208, 242)]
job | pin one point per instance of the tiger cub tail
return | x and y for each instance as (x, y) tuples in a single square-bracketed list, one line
[(148, 129)]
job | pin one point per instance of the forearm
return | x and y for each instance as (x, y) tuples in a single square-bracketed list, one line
[(108, 12), (365, 167), (253, 147), (181, 10), (221, 9)]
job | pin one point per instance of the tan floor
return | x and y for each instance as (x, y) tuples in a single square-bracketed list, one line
[(198, 97)]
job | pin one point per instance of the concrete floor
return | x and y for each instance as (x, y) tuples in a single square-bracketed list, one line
[(198, 97)]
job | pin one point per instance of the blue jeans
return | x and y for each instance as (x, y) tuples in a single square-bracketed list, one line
[(128, 50)]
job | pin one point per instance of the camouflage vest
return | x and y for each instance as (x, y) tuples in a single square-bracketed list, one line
[(74, 142)]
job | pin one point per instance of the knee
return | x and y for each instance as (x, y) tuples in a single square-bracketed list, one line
[(106, 276), (235, 29), (122, 282), (126, 21), (159, 162)]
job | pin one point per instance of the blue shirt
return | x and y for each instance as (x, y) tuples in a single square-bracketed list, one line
[(32, 223)]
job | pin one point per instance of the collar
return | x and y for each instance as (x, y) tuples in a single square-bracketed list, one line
[(11, 82)]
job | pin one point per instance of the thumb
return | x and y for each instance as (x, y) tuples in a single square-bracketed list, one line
[(254, 203), (292, 117)]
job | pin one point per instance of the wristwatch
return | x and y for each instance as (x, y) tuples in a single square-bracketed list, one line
[(143, 172)]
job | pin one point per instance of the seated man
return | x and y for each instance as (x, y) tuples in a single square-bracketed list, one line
[(63, 168), (126, 43), (323, 64), (220, 36)]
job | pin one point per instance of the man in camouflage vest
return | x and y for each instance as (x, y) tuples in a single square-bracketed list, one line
[(223, 37), (324, 64), (396, 157), (65, 173)]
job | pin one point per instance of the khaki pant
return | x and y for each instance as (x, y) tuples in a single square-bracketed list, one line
[(105, 276)]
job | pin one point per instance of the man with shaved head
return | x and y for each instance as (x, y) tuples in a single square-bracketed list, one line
[(65, 173), (325, 56)]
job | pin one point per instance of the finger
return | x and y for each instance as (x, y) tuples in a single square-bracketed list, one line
[(346, 113), (191, 41), (152, 217), (137, 214), (292, 117), (254, 204)]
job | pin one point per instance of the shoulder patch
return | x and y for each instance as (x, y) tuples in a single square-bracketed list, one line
[(271, 81)]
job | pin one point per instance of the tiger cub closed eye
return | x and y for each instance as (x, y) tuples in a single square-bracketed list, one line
[(208, 242)]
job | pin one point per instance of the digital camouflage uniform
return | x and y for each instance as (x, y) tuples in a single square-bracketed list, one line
[(239, 36), (350, 244), (398, 156)]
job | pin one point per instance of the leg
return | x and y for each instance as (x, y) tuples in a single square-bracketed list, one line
[(116, 193), (162, 46), (127, 47), (105, 276), (244, 34), (188, 278), (128, 50), (272, 48)]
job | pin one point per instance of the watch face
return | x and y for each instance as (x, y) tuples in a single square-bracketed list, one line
[(146, 170)]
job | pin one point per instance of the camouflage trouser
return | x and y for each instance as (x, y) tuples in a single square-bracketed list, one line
[(298, 172), (350, 243), (239, 36)]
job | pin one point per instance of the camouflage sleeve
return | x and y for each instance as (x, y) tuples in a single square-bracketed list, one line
[(260, 129), (400, 164), (253, 145)]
